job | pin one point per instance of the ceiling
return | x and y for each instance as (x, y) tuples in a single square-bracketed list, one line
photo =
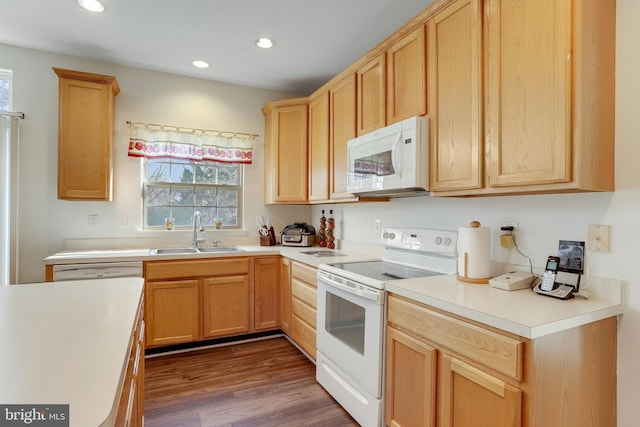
[(315, 39)]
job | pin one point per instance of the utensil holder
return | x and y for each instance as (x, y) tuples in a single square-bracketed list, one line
[(268, 240)]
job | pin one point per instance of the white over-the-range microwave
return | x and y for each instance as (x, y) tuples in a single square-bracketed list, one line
[(391, 161)]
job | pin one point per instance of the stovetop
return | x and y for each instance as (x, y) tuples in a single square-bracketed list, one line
[(383, 270), (407, 253)]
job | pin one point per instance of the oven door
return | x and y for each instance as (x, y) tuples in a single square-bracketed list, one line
[(350, 329)]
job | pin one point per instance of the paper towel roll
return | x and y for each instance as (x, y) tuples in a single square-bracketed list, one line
[(474, 253)]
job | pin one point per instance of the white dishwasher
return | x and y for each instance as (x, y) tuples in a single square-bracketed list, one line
[(98, 270)]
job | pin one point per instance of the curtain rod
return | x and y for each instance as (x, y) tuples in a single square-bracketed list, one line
[(178, 128), (19, 114)]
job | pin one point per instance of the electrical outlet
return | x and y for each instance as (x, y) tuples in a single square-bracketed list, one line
[(599, 238), (376, 224), (93, 220)]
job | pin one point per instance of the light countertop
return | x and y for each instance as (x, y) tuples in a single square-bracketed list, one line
[(521, 312), (293, 252), (67, 343)]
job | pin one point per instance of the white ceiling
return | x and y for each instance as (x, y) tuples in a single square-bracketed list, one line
[(315, 39)]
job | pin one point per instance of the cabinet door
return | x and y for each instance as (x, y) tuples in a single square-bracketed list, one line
[(286, 153), (342, 128), (455, 97), (370, 84), (285, 294), (266, 293), (528, 99), (85, 135), (319, 148), (410, 382), (470, 397), (172, 312), (226, 305), (407, 77)]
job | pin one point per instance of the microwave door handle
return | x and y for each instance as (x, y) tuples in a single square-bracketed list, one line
[(394, 153)]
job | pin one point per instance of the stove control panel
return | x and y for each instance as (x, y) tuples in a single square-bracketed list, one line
[(421, 239)]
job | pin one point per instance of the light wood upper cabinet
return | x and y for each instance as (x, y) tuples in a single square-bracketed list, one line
[(549, 102), (342, 128), (407, 77), (529, 91), (286, 151), (319, 147), (85, 135), (371, 95), (455, 97)]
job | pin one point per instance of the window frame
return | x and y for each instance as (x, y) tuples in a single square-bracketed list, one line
[(239, 188), (7, 75)]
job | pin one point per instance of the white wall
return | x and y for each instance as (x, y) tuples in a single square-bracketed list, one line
[(152, 97), (162, 98)]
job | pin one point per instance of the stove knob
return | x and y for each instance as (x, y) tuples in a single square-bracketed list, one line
[(385, 235), (392, 236), (438, 240), (447, 241)]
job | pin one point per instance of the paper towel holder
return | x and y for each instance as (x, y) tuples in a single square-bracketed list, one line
[(464, 276)]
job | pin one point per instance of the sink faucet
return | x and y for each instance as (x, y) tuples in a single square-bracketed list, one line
[(198, 229)]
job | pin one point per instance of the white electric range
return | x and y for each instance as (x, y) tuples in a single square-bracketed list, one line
[(351, 314)]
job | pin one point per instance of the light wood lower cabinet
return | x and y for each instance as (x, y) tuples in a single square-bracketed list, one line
[(172, 311), (443, 370), (266, 273), (303, 307), (131, 404), (226, 306), (191, 300), (285, 295)]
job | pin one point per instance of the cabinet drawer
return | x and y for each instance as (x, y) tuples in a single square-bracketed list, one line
[(304, 292), (496, 351), (304, 312), (304, 273), (304, 335), (154, 270)]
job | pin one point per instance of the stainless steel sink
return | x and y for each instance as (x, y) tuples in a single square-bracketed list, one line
[(173, 251), (214, 249), (180, 251)]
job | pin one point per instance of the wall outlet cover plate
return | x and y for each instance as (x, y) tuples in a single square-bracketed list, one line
[(512, 281)]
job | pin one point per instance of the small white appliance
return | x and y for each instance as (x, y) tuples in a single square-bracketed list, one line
[(392, 161), (512, 281), (350, 329)]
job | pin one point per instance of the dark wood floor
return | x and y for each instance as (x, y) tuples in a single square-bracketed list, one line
[(261, 383)]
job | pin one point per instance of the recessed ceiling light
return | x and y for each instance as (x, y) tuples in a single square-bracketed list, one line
[(200, 64), (265, 42), (92, 5)]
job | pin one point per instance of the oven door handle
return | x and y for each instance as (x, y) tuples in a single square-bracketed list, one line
[(353, 288)]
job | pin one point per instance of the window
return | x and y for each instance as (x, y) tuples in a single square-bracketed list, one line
[(5, 89), (176, 188)]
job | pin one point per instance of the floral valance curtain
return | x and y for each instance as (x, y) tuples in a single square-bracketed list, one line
[(157, 141)]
